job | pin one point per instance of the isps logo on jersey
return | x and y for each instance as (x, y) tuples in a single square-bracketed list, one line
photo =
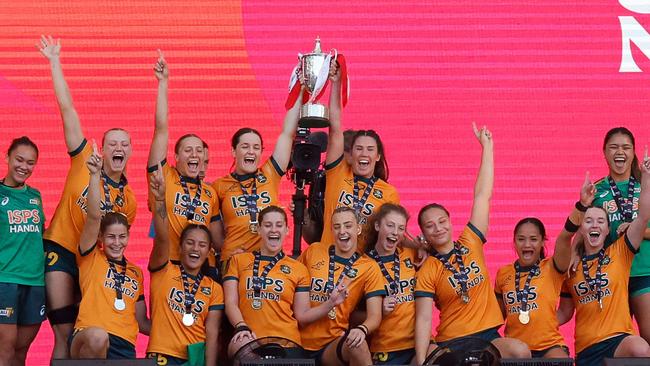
[(24, 221), (182, 203), (474, 275), (271, 288)]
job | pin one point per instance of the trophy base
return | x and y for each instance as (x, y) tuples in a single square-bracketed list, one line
[(314, 116)]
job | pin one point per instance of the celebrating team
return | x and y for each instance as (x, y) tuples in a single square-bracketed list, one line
[(361, 295)]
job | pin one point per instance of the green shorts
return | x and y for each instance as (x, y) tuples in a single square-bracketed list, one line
[(59, 259), (596, 353), (402, 357), (639, 285), (21, 304)]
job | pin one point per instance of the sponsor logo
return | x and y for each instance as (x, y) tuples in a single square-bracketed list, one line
[(33, 201), (5, 200), (318, 265), (7, 312), (42, 310)]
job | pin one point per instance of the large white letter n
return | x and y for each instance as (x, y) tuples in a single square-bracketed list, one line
[(632, 32)]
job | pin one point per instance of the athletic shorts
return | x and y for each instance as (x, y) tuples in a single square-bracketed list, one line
[(541, 353), (594, 354), (639, 285), (164, 360), (487, 335), (21, 304), (59, 259), (402, 357)]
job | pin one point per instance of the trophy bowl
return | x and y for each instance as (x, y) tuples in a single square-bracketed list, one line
[(314, 71)]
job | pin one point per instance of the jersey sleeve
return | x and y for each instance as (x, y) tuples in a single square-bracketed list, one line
[(131, 209), (232, 269), (303, 283), (140, 294), (78, 159), (375, 283), (425, 280), (217, 299), (499, 283), (625, 250)]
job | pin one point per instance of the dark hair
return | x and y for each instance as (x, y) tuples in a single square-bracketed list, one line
[(429, 207), (342, 209), (190, 227), (348, 135), (177, 145), (268, 209), (113, 218), (636, 171), (22, 141), (115, 129), (242, 131), (205, 145), (381, 168), (540, 227), (370, 234)]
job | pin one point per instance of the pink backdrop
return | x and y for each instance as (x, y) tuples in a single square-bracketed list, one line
[(544, 76)]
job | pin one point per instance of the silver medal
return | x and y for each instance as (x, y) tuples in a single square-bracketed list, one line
[(119, 304), (252, 226), (256, 304), (524, 317), (188, 320)]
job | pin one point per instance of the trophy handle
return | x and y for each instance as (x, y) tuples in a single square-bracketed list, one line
[(335, 54)]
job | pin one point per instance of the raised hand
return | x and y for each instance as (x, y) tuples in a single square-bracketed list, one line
[(483, 135), (49, 47), (157, 184), (587, 192), (645, 166), (160, 68), (94, 162), (389, 304), (335, 71), (339, 294)]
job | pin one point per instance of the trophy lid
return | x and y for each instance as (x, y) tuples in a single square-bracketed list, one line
[(317, 48)]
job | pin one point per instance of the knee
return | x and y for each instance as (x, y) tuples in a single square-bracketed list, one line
[(359, 353), (639, 348), (515, 348), (97, 340), (7, 353)]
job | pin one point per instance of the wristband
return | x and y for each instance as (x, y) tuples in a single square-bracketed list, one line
[(363, 328), (570, 226), (580, 207), (241, 328)]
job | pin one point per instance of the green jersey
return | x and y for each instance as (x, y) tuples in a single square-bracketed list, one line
[(605, 199), (22, 221)]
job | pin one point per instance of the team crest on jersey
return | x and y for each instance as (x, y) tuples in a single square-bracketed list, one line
[(119, 201), (606, 259), (408, 263), (352, 273), (206, 291), (33, 201), (464, 250), (285, 269), (535, 272), (318, 265), (377, 193), (261, 179), (5, 200)]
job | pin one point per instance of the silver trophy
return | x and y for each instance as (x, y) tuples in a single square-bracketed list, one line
[(314, 72)]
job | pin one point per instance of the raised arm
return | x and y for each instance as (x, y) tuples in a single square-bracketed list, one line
[(562, 253), (637, 228), (90, 231), (160, 252), (305, 314), (335, 141), (51, 49), (282, 151), (158, 148), (484, 181)]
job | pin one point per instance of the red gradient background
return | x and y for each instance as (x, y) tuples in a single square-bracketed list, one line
[(543, 76)]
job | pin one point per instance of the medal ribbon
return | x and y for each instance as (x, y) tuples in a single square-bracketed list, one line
[(251, 199), (523, 294), (192, 203), (595, 283), (107, 192), (393, 282), (358, 203), (329, 287), (118, 278), (258, 280), (189, 293), (459, 275), (624, 204)]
